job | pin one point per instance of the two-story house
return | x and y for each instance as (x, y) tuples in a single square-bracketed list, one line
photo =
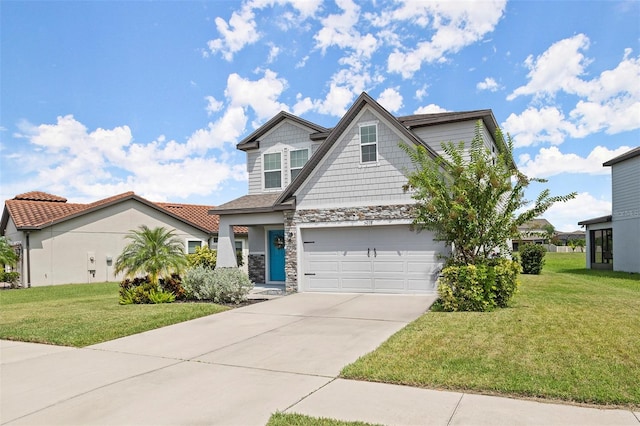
[(613, 240), (326, 210)]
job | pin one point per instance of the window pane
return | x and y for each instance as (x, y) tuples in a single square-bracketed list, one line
[(272, 179), (368, 153), (368, 134), (299, 158), (191, 246), (295, 173), (272, 161)]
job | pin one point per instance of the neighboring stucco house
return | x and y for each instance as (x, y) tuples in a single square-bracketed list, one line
[(61, 242), (326, 211), (613, 240), (532, 232)]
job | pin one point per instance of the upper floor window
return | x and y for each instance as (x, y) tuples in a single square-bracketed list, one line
[(272, 171), (369, 143), (297, 160)]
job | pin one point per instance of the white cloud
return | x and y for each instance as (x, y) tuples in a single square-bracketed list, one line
[(274, 51), (565, 216), (558, 68), (534, 126), (261, 95), (391, 99), (430, 109), (422, 92), (453, 25), (213, 105), (240, 31), (610, 102), (340, 30), (70, 159), (489, 84), (551, 161)]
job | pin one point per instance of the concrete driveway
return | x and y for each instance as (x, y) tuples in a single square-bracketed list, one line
[(237, 367)]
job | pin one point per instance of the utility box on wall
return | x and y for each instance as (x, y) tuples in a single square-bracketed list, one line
[(91, 264)]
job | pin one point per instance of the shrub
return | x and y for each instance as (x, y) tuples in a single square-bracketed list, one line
[(506, 283), (480, 287), (532, 258), (222, 285), (142, 291), (173, 285), (203, 256), (10, 277)]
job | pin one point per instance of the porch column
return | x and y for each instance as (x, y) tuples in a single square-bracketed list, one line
[(226, 245)]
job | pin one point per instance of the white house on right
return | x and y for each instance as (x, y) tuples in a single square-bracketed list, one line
[(613, 241)]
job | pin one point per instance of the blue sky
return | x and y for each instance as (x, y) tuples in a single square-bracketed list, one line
[(103, 97)]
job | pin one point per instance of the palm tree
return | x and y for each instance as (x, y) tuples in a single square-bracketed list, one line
[(8, 255), (154, 251)]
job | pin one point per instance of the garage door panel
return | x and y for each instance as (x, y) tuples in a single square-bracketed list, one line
[(389, 285), (388, 258), (396, 266), (327, 284), (356, 284)]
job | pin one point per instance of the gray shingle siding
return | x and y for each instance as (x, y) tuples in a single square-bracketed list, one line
[(284, 138), (341, 179), (626, 189)]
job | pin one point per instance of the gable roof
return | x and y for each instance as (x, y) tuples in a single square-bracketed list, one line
[(404, 125), (36, 210), (363, 100), (252, 142), (626, 156)]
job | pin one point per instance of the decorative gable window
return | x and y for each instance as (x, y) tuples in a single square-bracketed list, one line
[(272, 171), (297, 159), (369, 143)]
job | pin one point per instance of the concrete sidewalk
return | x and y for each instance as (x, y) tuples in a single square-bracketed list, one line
[(240, 366)]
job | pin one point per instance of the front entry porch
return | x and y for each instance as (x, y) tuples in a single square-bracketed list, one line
[(267, 256)]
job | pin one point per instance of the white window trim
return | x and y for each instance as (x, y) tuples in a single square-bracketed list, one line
[(297, 168), (193, 240), (360, 144), (264, 188)]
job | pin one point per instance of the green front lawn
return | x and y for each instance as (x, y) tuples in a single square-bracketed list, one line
[(292, 419), (570, 334), (85, 314)]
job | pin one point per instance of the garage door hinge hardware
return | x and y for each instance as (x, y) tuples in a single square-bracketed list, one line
[(309, 273)]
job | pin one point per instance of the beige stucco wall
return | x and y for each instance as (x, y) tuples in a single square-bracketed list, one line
[(60, 254)]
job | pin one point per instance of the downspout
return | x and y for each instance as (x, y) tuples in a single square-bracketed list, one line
[(28, 262)]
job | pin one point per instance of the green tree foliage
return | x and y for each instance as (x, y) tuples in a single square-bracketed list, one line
[(549, 233), (532, 258), (8, 255), (471, 198), (157, 252), (204, 257)]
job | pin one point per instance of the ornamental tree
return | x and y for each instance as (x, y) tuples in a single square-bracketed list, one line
[(472, 198), (157, 252)]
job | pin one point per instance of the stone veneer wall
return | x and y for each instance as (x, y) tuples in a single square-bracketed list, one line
[(256, 268), (291, 252), (348, 214)]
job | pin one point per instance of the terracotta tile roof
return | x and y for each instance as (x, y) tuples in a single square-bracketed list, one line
[(34, 210), (40, 196), (199, 215)]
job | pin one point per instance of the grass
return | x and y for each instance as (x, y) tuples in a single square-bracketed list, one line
[(292, 419), (569, 334), (85, 314)]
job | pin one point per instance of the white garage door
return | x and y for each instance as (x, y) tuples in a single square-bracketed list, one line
[(383, 259)]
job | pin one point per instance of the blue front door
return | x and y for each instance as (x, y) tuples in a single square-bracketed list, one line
[(276, 255)]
